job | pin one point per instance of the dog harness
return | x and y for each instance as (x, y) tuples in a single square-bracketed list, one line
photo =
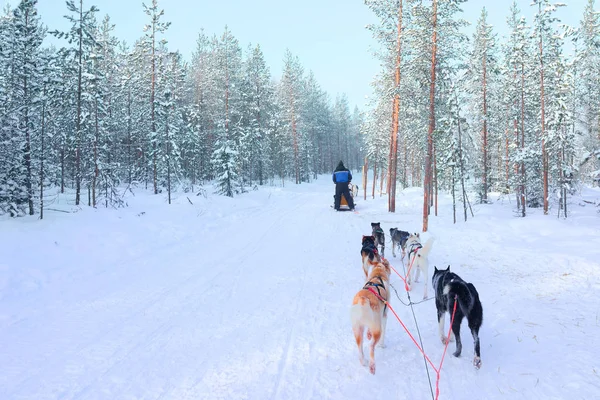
[(414, 248), (377, 286)]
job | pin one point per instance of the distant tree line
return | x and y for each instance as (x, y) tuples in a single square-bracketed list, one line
[(97, 117)]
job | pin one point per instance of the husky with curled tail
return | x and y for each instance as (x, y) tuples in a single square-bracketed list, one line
[(449, 288)]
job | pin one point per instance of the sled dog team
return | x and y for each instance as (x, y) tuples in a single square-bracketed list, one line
[(368, 313)]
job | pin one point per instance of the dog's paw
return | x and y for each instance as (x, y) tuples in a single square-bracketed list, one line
[(363, 362), (372, 368), (477, 362), (456, 353), (444, 340)]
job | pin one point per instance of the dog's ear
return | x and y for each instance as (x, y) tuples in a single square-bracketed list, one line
[(435, 269), (448, 269)]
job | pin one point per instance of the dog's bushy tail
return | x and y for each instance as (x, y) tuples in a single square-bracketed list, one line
[(461, 290), (424, 252)]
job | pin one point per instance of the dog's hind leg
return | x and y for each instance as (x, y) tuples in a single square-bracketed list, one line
[(441, 323), (358, 336), (383, 323), (376, 337), (477, 359), (456, 331)]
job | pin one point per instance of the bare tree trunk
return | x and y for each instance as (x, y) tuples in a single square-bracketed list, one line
[(454, 193), (95, 176), (129, 162), (485, 132), (393, 159), (427, 181), (152, 113), (295, 136), (523, 174), (462, 169), (543, 133), (62, 168), (168, 156), (78, 119), (374, 179), (381, 182), (42, 154), (365, 177), (435, 172)]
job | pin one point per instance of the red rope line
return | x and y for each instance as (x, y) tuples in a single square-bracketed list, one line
[(439, 368), (407, 273)]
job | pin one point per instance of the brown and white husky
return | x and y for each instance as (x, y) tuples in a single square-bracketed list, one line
[(369, 311)]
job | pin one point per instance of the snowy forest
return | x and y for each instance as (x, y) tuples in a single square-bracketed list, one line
[(97, 118), (519, 115)]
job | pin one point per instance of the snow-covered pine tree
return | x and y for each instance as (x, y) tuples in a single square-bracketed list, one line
[(257, 102), (21, 35), (587, 60), (78, 62), (153, 29), (482, 74), (227, 81), (544, 32)]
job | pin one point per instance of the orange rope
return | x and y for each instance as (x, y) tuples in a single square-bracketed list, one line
[(439, 368)]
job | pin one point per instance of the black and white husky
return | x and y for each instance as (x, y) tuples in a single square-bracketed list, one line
[(379, 236), (449, 287), (399, 239)]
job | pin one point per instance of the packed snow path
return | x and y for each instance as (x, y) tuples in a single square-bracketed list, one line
[(248, 298)]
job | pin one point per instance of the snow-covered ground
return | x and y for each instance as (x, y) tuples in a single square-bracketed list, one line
[(249, 298)]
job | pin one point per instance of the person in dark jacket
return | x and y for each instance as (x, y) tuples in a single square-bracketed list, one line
[(342, 177)]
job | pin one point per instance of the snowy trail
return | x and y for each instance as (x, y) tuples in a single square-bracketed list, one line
[(249, 299)]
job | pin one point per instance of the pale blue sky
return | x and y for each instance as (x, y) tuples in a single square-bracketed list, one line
[(327, 35)]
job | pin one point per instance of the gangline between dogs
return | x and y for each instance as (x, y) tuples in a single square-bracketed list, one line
[(439, 368)]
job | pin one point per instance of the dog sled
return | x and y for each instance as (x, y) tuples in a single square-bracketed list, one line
[(343, 201)]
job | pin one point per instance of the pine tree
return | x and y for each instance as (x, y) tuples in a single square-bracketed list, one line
[(587, 59), (291, 97), (153, 29), (482, 73)]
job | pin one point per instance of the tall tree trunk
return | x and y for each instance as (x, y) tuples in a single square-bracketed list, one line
[(543, 133), (374, 180), (393, 159), (523, 174), (152, 114), (42, 153), (295, 136), (62, 168), (428, 157), (168, 155), (365, 177), (435, 185), (381, 182), (96, 136), (462, 168), (129, 162), (78, 120), (485, 132)]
